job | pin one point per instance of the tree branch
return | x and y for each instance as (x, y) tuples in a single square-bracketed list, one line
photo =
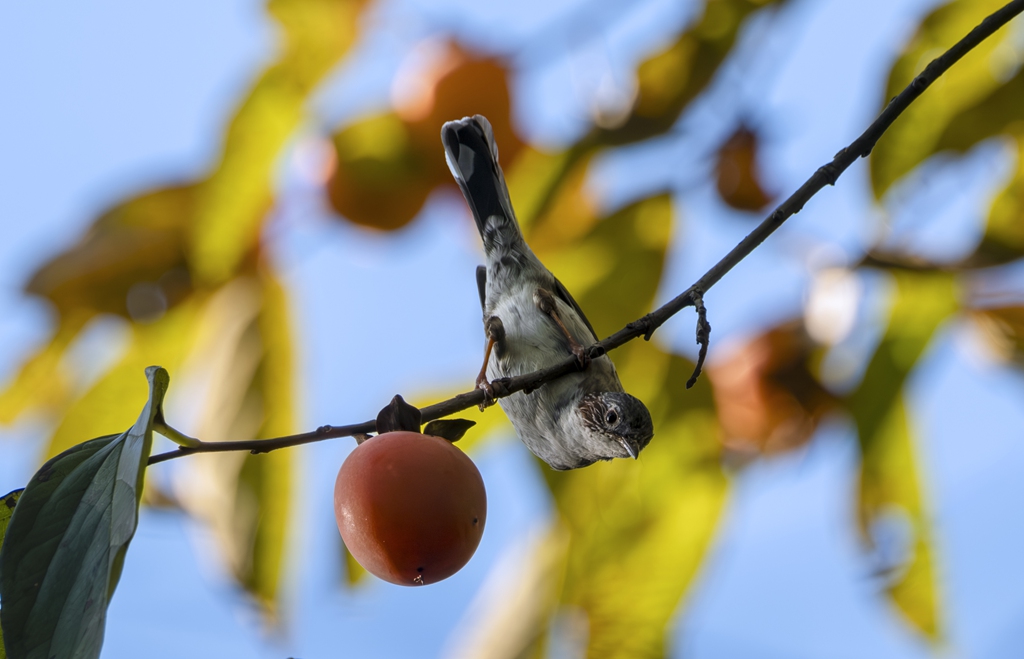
[(646, 326)]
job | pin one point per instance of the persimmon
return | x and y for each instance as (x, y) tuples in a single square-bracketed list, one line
[(411, 508)]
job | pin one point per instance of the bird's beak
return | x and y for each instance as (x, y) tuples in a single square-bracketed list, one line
[(629, 449)]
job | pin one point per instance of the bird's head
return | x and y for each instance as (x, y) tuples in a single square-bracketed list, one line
[(619, 423)]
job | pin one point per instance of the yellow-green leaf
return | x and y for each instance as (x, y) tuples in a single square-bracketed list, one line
[(243, 360), (108, 403), (916, 134), (233, 202), (639, 530), (620, 259), (890, 475), (999, 113)]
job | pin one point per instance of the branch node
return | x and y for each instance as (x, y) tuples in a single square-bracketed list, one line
[(703, 335), (830, 172), (323, 430), (644, 327)]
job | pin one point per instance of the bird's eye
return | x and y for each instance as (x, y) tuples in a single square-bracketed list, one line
[(611, 418)]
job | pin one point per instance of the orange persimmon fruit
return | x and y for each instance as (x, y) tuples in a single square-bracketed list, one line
[(411, 508)]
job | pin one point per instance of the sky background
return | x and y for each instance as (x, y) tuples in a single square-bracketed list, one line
[(104, 100)]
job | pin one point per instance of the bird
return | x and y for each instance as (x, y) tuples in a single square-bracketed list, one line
[(532, 322)]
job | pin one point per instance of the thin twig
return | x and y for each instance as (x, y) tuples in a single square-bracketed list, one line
[(646, 326), (703, 336)]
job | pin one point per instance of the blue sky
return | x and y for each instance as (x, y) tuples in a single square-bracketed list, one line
[(106, 100)]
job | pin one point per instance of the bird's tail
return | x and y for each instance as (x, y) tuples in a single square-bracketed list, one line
[(472, 157)]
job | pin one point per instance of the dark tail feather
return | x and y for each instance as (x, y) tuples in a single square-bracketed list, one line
[(472, 156)]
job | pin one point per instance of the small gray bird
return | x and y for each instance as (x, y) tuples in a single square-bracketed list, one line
[(532, 322)]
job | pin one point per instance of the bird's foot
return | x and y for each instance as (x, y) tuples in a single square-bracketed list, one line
[(582, 356), (488, 389)]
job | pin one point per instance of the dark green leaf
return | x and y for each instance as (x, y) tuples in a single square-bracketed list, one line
[(7, 504), (450, 429), (62, 555)]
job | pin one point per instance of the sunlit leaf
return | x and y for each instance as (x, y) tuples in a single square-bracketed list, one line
[(355, 573), (671, 79), (639, 531), (233, 202), (243, 360), (667, 83), (916, 134), (513, 612), (999, 113), (890, 475), (42, 381), (65, 544), (620, 259), (108, 402)]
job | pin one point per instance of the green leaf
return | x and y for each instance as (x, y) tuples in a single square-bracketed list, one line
[(7, 504), (916, 134), (639, 530), (451, 429), (65, 545), (999, 113), (890, 475)]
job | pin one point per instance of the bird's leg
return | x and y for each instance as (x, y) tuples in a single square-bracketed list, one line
[(495, 333), (546, 303)]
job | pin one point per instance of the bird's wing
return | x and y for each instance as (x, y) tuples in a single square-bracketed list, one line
[(481, 285), (563, 293)]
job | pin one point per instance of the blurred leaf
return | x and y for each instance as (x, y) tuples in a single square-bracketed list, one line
[(243, 362), (670, 80), (620, 259), (999, 113), (768, 399), (569, 213), (233, 202), (355, 573), (43, 381), (889, 471), (736, 173), (149, 253), (66, 541), (1003, 240), (916, 134), (513, 610), (667, 83), (134, 251), (387, 165), (108, 403), (639, 531)]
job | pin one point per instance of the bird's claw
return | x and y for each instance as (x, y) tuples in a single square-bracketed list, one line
[(488, 390), (582, 356)]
